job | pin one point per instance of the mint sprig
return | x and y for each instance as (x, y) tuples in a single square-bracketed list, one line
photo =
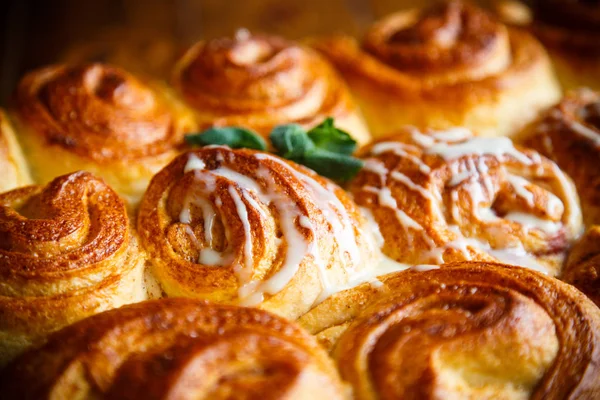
[(324, 148), (231, 136)]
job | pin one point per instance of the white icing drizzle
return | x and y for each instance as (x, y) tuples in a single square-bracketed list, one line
[(520, 186), (402, 150), (386, 199), (244, 192), (499, 147), (528, 221), (584, 131), (455, 144)]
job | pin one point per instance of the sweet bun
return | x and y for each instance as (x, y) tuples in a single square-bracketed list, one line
[(66, 251), (176, 349), (448, 65), (101, 119), (250, 228), (259, 81)]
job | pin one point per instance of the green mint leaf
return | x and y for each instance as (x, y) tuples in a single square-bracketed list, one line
[(336, 166), (291, 141), (327, 137), (231, 136)]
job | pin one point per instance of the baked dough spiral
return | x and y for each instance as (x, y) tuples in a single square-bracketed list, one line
[(101, 119), (14, 171), (467, 330), (569, 133), (442, 196), (570, 30), (176, 349), (66, 252), (260, 81), (448, 65), (240, 226)]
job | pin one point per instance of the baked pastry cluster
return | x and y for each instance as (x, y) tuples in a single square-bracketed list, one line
[(139, 261)]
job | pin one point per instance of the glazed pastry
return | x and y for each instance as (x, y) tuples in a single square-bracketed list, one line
[(13, 167), (569, 133), (245, 227), (66, 252), (442, 196), (101, 119), (570, 30), (583, 265), (449, 65), (262, 81), (161, 348), (468, 330)]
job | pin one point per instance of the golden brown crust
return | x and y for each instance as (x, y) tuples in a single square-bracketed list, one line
[(161, 348), (243, 226), (450, 65), (261, 81), (444, 196), (66, 251), (99, 118), (14, 170), (569, 133), (583, 266), (466, 330)]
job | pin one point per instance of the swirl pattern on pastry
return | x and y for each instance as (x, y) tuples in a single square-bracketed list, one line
[(448, 65), (66, 252), (240, 226), (466, 330), (569, 134), (443, 196), (176, 348), (98, 118), (263, 81), (13, 167)]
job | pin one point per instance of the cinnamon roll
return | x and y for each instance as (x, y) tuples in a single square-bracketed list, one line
[(448, 65), (570, 30), (14, 171), (101, 119), (246, 227), (569, 133), (582, 269), (467, 330), (176, 349), (443, 196), (261, 81), (66, 252)]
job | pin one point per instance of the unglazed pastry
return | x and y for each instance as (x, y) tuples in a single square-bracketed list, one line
[(101, 119), (260, 81), (14, 171), (569, 133), (469, 330), (449, 65), (570, 30), (239, 226), (66, 252), (442, 196), (583, 265), (176, 349)]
